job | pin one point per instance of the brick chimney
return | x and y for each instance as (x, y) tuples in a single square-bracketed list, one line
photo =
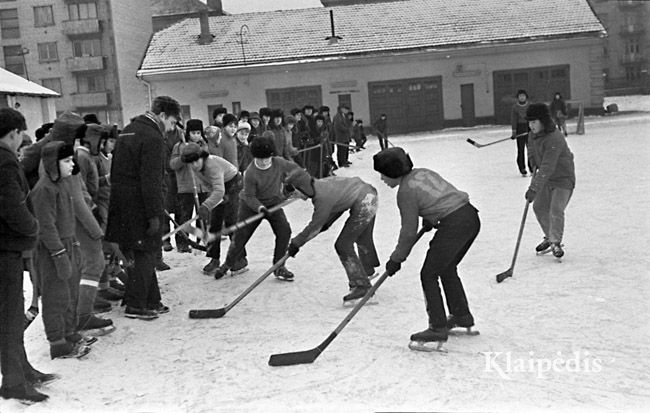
[(215, 5), (205, 37)]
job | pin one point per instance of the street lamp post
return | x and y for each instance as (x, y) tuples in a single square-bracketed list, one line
[(23, 52)]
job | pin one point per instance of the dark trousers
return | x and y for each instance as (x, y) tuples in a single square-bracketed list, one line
[(383, 140), (12, 350), (59, 296), (358, 230), (184, 211), (521, 147), (142, 289), (279, 225), (342, 153), (455, 234)]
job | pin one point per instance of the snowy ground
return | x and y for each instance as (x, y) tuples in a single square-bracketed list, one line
[(586, 316)]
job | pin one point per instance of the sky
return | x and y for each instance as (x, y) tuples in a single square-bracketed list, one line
[(247, 6)]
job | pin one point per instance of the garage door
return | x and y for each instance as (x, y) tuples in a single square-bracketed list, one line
[(541, 83), (294, 97), (411, 105)]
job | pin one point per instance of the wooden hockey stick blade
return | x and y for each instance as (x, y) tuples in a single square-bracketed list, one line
[(473, 142), (213, 313), (502, 276), (300, 357)]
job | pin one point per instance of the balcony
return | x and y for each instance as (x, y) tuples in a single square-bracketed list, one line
[(81, 27), (85, 63), (632, 30), (90, 99), (632, 59)]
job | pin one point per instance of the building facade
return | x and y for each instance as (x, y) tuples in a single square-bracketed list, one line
[(454, 65), (86, 50), (626, 50)]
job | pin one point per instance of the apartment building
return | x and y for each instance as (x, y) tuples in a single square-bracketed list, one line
[(626, 49), (86, 50)]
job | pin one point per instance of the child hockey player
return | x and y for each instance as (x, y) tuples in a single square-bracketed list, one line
[(220, 179), (424, 193), (553, 183), (57, 254), (519, 127), (332, 197), (262, 190)]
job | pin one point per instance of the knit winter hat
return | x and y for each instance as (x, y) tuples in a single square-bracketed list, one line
[(229, 118), (243, 126), (194, 124), (263, 146), (192, 152), (538, 111), (393, 162), (66, 127)]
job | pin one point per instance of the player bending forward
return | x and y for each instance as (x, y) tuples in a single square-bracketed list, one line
[(424, 193), (331, 197)]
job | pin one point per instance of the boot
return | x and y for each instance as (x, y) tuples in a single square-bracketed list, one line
[(167, 246), (23, 392), (221, 271), (356, 293), (161, 265), (211, 267), (65, 349), (558, 252), (464, 321), (36, 378), (241, 266), (283, 274), (430, 334), (140, 313), (543, 246), (101, 305), (91, 322)]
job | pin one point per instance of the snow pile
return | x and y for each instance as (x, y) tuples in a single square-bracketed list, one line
[(555, 337)]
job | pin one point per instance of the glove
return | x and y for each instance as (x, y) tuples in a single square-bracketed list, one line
[(293, 249), (204, 213), (392, 267), (153, 227), (264, 210), (514, 135), (63, 266), (427, 225), (530, 195)]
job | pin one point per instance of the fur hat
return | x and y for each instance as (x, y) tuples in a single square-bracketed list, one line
[(393, 162), (265, 112), (192, 152), (244, 114), (289, 119), (66, 127), (522, 92), (194, 124), (51, 154), (263, 146), (320, 117), (43, 130), (324, 109), (229, 118), (277, 113), (243, 126), (301, 180), (91, 118), (294, 111), (93, 136), (218, 111), (537, 111), (308, 107), (254, 115)]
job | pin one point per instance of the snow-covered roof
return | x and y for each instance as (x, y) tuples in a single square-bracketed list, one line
[(366, 30), (12, 84)]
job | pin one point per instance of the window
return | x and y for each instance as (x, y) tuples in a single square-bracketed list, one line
[(345, 99), (236, 108), (81, 11), (90, 84), (86, 47), (47, 52), (53, 84), (43, 16), (633, 73), (14, 59), (185, 112), (9, 24), (632, 46)]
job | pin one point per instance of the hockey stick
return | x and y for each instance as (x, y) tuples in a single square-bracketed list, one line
[(180, 227), (508, 273), (197, 204), (185, 235), (309, 356), (480, 145), (220, 312)]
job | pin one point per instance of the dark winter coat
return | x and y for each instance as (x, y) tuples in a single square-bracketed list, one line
[(518, 114), (18, 226), (549, 153), (137, 184), (558, 108), (341, 126)]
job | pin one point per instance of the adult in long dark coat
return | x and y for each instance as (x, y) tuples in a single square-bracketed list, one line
[(136, 204)]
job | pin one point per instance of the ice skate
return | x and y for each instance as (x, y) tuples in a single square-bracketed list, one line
[(461, 325), (239, 268), (558, 252), (544, 247), (283, 274), (91, 325), (356, 294), (431, 339)]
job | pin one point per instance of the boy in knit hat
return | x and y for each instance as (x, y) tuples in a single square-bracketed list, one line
[(332, 197), (424, 193), (221, 180), (262, 190), (520, 127), (551, 188), (244, 157), (57, 253)]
